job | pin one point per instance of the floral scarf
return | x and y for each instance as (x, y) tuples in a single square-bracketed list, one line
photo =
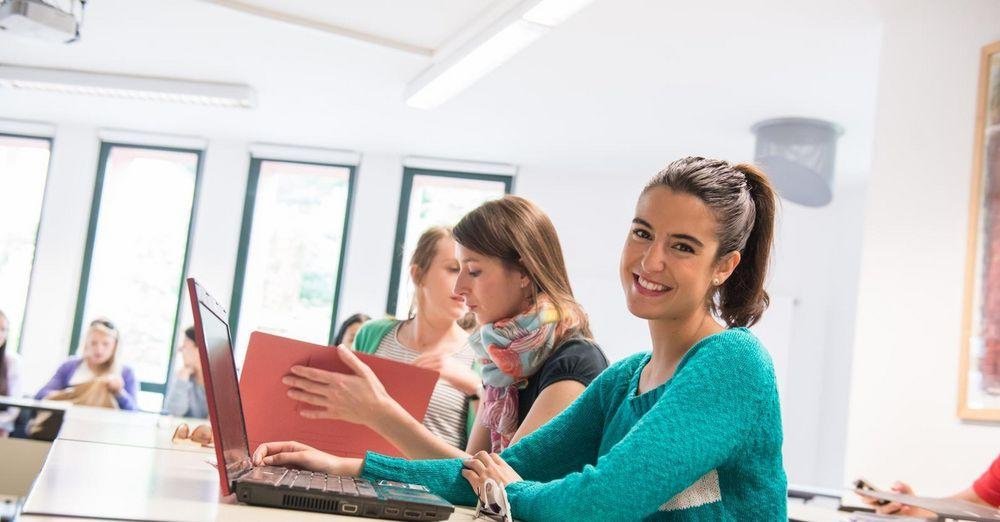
[(510, 352)]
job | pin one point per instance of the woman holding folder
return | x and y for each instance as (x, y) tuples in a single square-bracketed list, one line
[(431, 336), (533, 344), (689, 431)]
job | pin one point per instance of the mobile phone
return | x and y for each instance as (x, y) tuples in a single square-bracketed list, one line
[(864, 485)]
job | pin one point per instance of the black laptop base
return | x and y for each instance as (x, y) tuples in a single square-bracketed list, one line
[(309, 492)]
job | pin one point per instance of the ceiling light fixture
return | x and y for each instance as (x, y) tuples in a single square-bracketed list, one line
[(487, 50), (128, 87)]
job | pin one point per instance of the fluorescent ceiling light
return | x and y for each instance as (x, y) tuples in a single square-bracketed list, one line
[(129, 87), (442, 85), (554, 12), (512, 32)]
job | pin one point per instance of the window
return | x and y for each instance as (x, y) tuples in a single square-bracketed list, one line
[(140, 226), (24, 164), (288, 268), (433, 198)]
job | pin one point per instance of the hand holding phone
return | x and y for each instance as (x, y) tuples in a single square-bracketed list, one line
[(863, 485)]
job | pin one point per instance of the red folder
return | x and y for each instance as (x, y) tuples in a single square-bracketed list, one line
[(271, 415)]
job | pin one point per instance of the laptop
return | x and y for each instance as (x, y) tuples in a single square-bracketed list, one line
[(276, 486), (944, 507)]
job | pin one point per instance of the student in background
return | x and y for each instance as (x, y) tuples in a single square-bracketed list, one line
[(349, 330), (431, 337), (186, 392), (10, 378), (984, 491), (690, 431), (534, 342), (99, 363)]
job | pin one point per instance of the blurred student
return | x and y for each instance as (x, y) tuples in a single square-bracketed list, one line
[(10, 379), (349, 330), (98, 367), (186, 392)]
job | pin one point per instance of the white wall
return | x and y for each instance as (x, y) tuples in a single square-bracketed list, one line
[(903, 421), (62, 234)]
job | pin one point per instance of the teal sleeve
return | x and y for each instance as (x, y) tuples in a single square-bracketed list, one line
[(540, 456), (703, 419), (442, 476)]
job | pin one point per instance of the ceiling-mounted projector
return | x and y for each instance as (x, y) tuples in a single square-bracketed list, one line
[(39, 20)]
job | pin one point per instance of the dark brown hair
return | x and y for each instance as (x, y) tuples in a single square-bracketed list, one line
[(518, 233), (744, 204)]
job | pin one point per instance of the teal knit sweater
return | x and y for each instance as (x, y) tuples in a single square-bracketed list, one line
[(705, 445)]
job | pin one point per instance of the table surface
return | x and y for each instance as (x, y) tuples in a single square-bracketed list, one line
[(146, 430), (117, 465)]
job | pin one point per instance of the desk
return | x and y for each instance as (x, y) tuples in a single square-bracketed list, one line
[(99, 480), (24, 402), (112, 464), (801, 512), (125, 428)]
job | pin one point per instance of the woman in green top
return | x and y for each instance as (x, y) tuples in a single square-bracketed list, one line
[(690, 431)]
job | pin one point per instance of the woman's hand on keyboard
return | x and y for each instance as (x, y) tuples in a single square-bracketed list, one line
[(297, 455)]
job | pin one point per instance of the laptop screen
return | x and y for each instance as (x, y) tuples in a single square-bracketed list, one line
[(231, 431)]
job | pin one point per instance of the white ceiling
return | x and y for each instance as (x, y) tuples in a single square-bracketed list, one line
[(427, 23), (624, 82)]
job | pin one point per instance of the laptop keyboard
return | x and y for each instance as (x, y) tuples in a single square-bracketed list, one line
[(316, 482)]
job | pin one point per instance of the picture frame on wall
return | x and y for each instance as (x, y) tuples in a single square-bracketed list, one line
[(979, 382)]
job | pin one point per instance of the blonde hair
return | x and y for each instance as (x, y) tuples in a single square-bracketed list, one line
[(422, 259), (521, 235), (105, 326)]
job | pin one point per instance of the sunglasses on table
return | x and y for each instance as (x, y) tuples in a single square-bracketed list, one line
[(201, 435)]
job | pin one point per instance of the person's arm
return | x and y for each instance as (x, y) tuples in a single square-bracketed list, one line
[(970, 495), (411, 437), (551, 402), (130, 389), (8, 416), (360, 398), (479, 438), (59, 380), (987, 487), (700, 424), (896, 508), (452, 371), (560, 446), (561, 380)]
